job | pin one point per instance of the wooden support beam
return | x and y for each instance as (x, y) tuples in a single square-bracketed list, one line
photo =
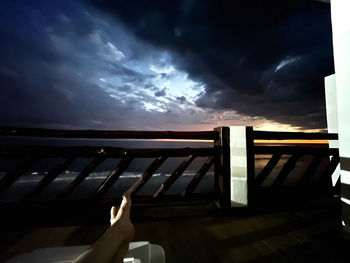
[(80, 178), (198, 177), (294, 150), (330, 168), (108, 134), (11, 176), (236, 165), (267, 169), (250, 163), (47, 179), (222, 166), (146, 175), (174, 176), (267, 135), (217, 166), (109, 152), (309, 172), (286, 169), (112, 178)]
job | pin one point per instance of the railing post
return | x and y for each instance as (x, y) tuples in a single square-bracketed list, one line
[(249, 137), (235, 166), (222, 166)]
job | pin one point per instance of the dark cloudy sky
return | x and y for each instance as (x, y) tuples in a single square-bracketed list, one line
[(181, 65)]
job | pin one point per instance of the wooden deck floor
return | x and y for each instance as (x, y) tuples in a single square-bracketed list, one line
[(309, 234)]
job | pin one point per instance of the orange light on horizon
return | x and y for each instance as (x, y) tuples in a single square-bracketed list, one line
[(180, 140), (255, 141), (292, 141)]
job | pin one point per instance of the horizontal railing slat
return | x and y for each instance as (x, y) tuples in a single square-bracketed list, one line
[(267, 135), (108, 134), (293, 149), (109, 152)]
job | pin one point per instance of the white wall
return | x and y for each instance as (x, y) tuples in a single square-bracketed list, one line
[(332, 117), (238, 166), (340, 10)]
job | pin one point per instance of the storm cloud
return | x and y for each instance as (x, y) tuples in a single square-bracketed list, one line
[(259, 58), (186, 64)]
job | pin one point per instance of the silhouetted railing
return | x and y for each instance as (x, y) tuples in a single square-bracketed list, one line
[(108, 134), (318, 160), (219, 156), (28, 156), (294, 154), (244, 182)]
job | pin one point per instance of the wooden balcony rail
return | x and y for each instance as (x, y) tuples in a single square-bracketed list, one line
[(239, 183), (232, 147), (108, 134), (295, 153), (316, 178), (28, 156), (267, 135)]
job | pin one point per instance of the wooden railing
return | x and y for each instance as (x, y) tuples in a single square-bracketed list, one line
[(294, 154), (108, 134), (28, 156), (219, 155), (240, 148)]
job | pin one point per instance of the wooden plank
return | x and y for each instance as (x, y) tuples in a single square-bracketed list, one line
[(250, 165), (304, 180), (318, 234), (47, 179), (109, 152), (124, 134), (80, 178), (198, 177), (108, 134), (224, 176), (286, 169), (329, 170), (171, 152), (294, 150), (12, 175), (112, 178), (217, 165), (148, 200), (174, 176), (267, 169), (266, 135), (56, 151), (146, 175)]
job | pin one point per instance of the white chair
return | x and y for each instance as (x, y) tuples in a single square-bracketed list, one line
[(139, 252)]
